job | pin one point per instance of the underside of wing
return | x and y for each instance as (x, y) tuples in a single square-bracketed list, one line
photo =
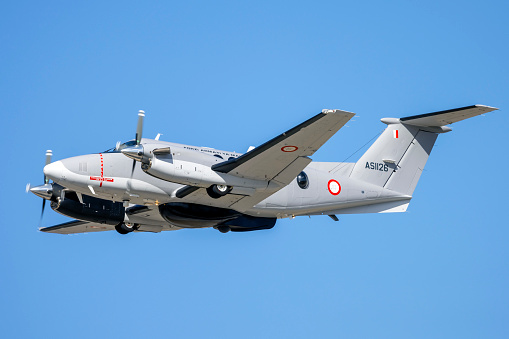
[(77, 226), (447, 117), (146, 219)]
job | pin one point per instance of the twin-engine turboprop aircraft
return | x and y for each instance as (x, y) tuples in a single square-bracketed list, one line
[(151, 185)]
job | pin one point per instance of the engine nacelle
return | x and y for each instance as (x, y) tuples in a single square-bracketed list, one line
[(195, 174), (197, 216), (92, 209)]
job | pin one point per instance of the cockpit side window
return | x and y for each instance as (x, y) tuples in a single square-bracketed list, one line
[(121, 147)]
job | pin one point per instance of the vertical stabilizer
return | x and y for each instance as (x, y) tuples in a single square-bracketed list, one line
[(396, 160), (409, 168)]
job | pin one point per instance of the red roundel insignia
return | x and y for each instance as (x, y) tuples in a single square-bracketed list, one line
[(289, 148), (334, 187)]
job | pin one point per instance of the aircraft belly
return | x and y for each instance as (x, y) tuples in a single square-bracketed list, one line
[(318, 198)]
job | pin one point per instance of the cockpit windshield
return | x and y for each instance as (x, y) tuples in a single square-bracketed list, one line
[(120, 147)]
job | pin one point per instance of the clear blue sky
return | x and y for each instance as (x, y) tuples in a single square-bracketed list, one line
[(233, 74)]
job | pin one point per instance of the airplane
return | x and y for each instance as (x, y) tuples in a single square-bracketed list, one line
[(149, 185)]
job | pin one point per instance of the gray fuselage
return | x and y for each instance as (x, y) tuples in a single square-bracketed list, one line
[(108, 176)]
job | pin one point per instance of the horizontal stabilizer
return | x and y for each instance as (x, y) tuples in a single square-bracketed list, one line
[(447, 117), (384, 207)]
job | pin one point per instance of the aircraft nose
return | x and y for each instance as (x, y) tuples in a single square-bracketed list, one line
[(54, 170)]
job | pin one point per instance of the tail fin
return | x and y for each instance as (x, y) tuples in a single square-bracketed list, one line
[(396, 159)]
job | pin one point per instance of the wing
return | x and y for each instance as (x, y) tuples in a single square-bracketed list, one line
[(77, 226), (277, 161), (147, 218), (447, 117), (287, 151)]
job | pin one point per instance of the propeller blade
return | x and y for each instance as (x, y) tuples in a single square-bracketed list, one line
[(139, 133), (139, 128), (132, 170), (42, 212), (44, 191), (49, 154)]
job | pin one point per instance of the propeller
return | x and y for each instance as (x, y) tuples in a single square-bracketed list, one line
[(136, 152), (44, 191), (49, 155)]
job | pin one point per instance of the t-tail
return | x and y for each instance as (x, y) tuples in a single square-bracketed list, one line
[(397, 158)]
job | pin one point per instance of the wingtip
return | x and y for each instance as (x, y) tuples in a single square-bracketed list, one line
[(337, 111), (487, 108)]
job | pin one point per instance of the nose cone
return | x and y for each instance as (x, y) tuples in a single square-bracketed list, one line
[(43, 191), (133, 152), (54, 170)]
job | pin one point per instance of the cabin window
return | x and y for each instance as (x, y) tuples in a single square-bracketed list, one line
[(302, 180)]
